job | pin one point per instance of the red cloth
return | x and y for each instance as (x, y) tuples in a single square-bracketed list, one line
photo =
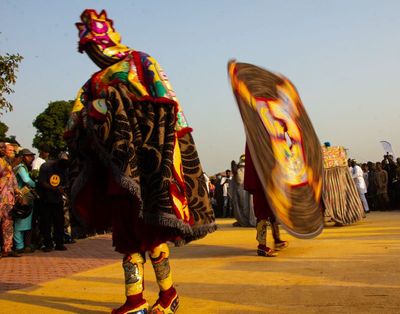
[(253, 185), (116, 208)]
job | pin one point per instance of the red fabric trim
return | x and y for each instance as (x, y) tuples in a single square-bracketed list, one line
[(264, 99), (95, 114), (180, 181), (173, 190), (162, 100), (139, 69), (300, 184), (184, 131)]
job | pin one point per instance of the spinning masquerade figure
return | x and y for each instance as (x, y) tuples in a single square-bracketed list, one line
[(134, 165), (284, 151), (341, 200)]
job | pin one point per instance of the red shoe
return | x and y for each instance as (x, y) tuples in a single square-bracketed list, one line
[(128, 308), (263, 250), (167, 303), (281, 245)]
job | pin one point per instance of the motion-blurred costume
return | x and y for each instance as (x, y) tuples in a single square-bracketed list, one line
[(341, 200), (134, 165), (284, 151), (242, 201)]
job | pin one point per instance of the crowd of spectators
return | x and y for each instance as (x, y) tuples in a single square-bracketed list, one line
[(378, 184), (35, 212), (34, 206), (382, 181), (220, 194)]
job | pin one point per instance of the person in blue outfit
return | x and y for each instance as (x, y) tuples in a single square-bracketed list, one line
[(23, 226)]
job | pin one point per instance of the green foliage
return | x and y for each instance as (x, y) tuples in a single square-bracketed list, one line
[(3, 134), (3, 130), (50, 125), (8, 69)]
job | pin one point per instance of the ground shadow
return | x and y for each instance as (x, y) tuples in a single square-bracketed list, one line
[(59, 303), (195, 251)]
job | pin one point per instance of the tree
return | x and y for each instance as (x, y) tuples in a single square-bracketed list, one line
[(8, 69), (50, 125), (3, 131), (4, 137)]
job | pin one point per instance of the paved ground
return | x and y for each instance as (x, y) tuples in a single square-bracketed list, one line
[(31, 269), (352, 269)]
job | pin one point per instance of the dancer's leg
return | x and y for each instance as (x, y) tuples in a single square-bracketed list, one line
[(279, 243), (134, 273), (168, 300), (263, 249)]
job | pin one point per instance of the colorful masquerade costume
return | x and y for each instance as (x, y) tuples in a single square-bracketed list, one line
[(242, 201), (283, 146), (283, 157), (134, 163), (341, 199)]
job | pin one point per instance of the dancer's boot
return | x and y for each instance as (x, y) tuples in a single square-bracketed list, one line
[(279, 244), (263, 249), (134, 273), (168, 300)]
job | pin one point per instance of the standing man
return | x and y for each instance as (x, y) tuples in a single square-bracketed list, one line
[(8, 192), (134, 164), (371, 187), (44, 152), (51, 181), (219, 197), (358, 177), (225, 182), (381, 180)]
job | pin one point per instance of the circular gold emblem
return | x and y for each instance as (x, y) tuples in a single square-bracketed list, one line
[(55, 180)]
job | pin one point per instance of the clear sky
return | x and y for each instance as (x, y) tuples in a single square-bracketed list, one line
[(343, 57)]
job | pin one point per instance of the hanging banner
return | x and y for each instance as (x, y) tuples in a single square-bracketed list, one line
[(387, 147)]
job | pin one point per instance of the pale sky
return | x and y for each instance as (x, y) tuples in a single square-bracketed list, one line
[(343, 57)]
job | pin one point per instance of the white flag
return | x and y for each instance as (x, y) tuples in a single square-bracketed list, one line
[(387, 147)]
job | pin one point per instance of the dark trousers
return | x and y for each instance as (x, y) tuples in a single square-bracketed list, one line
[(36, 229), (52, 215)]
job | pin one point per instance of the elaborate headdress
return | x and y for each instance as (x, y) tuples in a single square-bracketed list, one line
[(98, 38)]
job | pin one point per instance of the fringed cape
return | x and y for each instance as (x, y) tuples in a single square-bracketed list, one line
[(134, 164)]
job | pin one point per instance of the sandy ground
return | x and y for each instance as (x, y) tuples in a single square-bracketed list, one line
[(353, 269)]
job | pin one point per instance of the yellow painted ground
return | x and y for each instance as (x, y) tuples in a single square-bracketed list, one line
[(353, 269)]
